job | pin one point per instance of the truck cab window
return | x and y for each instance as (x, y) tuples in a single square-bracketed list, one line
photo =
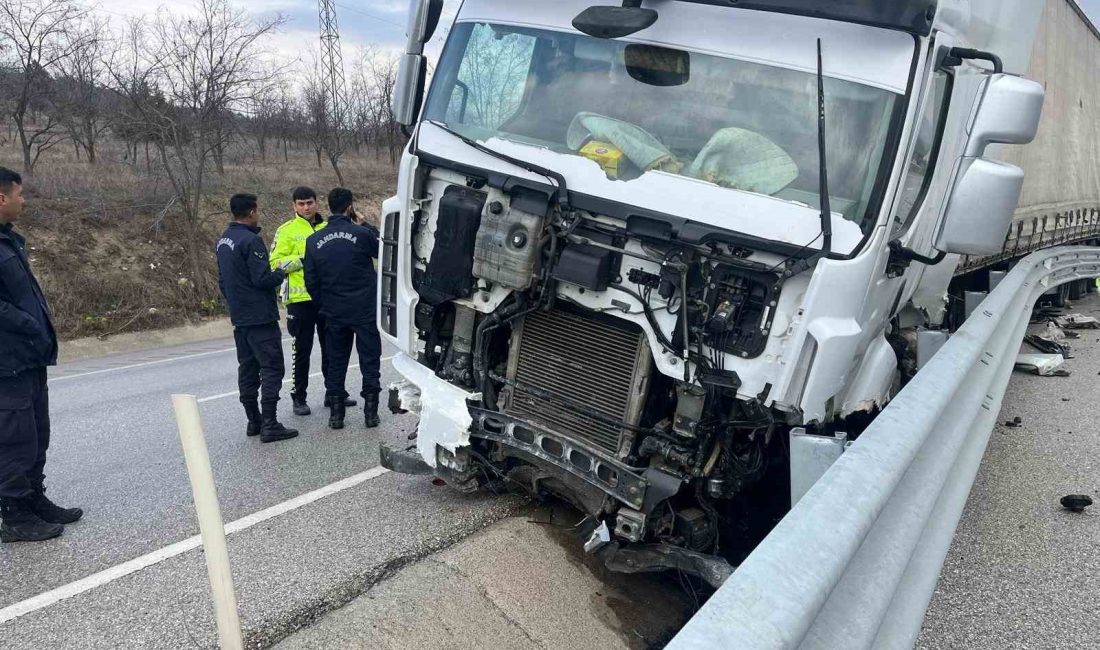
[(491, 79), (918, 176), (636, 109)]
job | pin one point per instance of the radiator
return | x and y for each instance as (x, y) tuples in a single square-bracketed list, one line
[(565, 366)]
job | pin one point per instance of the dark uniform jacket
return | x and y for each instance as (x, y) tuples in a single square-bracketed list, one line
[(245, 276), (339, 270), (27, 337)]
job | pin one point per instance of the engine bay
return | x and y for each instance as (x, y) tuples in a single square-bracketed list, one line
[(599, 350)]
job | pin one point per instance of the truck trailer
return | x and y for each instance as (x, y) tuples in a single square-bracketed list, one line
[(660, 258)]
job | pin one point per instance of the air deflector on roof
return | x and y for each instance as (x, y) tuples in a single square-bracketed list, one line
[(913, 16)]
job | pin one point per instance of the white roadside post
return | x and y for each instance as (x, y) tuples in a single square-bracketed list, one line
[(210, 521)]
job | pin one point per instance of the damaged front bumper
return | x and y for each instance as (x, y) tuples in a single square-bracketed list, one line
[(449, 416), (444, 414)]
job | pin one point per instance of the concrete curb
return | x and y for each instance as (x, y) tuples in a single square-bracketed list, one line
[(92, 347)]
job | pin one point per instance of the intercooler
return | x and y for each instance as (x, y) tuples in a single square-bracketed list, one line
[(581, 376)]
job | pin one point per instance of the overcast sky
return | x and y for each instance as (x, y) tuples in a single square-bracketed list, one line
[(362, 22), (1092, 8)]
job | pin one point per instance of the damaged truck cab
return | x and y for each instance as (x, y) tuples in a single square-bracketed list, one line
[(639, 257)]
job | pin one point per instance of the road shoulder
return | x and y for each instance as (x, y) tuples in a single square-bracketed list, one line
[(516, 584), (1022, 571)]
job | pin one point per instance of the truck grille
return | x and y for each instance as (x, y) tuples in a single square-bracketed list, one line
[(567, 366)]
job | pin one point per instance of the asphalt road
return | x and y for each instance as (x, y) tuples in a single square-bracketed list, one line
[(1023, 572), (116, 453)]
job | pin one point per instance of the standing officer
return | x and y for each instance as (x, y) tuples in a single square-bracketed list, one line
[(302, 319), (248, 284), (340, 275), (28, 344)]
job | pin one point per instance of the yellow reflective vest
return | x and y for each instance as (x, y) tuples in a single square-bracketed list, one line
[(290, 243)]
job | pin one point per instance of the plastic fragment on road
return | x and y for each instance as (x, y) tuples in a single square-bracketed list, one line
[(1048, 346), (1077, 322), (1014, 422), (1076, 502), (1044, 365)]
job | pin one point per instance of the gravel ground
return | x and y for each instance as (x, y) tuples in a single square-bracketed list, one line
[(1022, 571)]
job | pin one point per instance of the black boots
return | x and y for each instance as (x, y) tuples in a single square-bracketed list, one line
[(49, 511), (300, 406), (21, 524), (370, 410), (337, 408), (271, 430), (348, 402), (255, 421)]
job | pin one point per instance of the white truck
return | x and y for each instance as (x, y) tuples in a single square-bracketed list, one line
[(641, 254)]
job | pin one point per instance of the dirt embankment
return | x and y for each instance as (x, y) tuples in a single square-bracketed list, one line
[(108, 242)]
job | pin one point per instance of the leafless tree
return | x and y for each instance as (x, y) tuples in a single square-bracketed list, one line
[(82, 100), (187, 77), (41, 35), (264, 112), (374, 77)]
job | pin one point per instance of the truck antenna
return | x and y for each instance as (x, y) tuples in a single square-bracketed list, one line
[(823, 167)]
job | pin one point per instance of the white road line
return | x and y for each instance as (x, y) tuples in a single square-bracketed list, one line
[(147, 363), (211, 398), (106, 576)]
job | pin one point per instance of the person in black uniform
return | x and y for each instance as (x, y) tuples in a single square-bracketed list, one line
[(28, 344), (248, 284), (340, 276)]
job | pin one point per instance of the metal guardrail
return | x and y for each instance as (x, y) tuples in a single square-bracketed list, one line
[(855, 562), (1027, 236)]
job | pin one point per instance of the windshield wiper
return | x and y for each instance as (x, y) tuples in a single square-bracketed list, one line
[(826, 234), (561, 191), (823, 168)]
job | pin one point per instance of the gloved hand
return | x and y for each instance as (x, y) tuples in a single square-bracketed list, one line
[(291, 265)]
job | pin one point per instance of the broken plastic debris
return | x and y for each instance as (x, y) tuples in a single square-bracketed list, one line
[(1077, 322), (1076, 502), (1014, 422), (1047, 345), (1046, 365), (599, 537), (404, 396)]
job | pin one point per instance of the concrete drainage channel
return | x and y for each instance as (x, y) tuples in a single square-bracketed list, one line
[(523, 582)]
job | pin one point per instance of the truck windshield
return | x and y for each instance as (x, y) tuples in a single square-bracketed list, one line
[(635, 108)]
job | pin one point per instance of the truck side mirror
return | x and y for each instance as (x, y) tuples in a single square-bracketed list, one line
[(980, 208), (423, 20), (408, 90), (412, 71), (986, 192)]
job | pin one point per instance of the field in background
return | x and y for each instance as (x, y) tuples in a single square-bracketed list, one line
[(105, 240)]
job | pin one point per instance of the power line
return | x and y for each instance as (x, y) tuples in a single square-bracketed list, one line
[(369, 15)]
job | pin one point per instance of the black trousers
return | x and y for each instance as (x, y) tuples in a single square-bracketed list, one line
[(302, 320), (260, 366), (369, 345), (24, 432)]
